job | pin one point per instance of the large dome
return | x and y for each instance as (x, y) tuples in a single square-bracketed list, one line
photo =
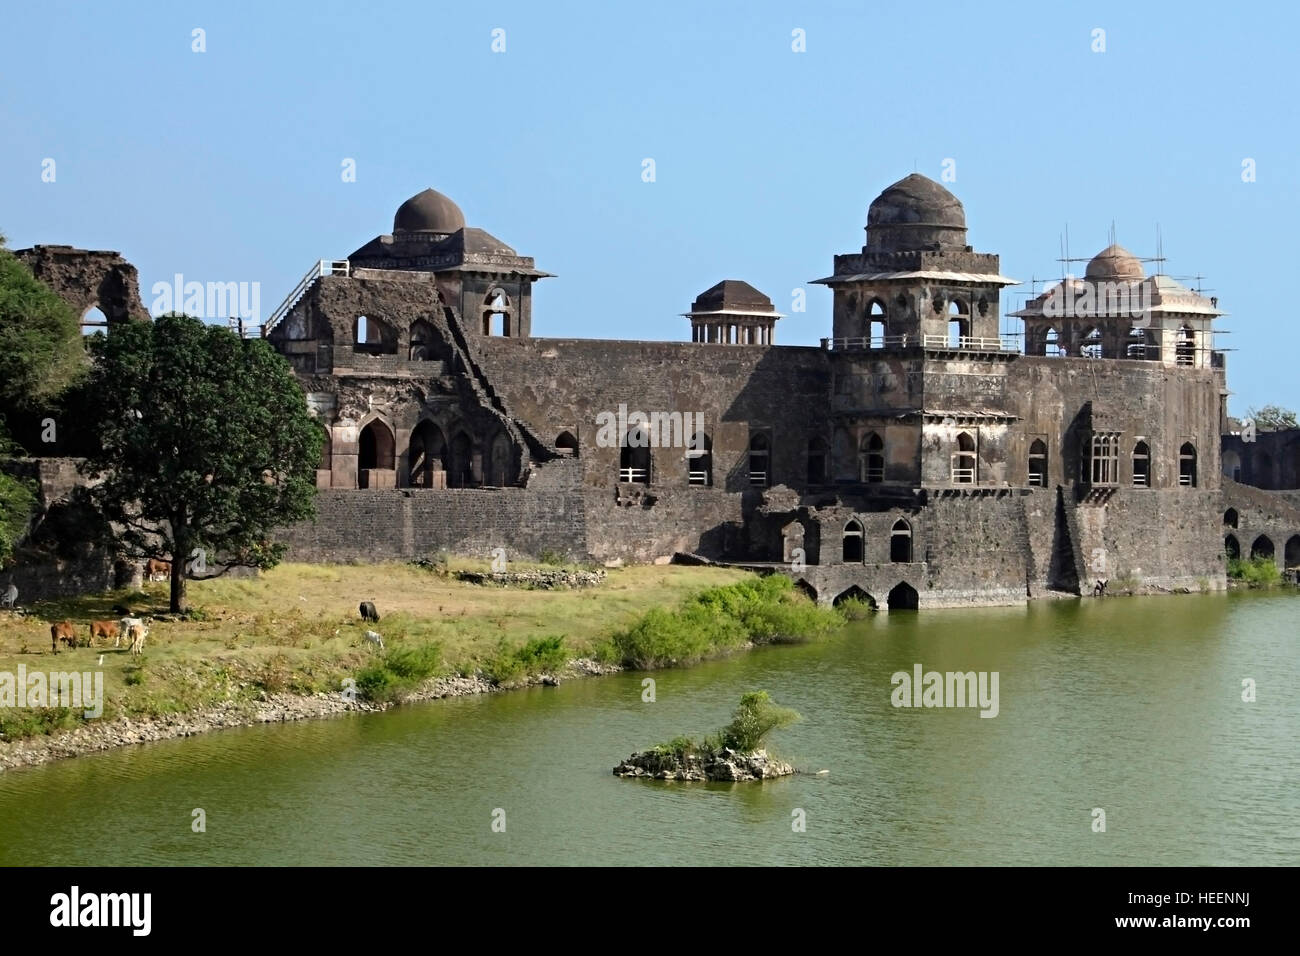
[(1114, 263), (915, 213), (429, 211)]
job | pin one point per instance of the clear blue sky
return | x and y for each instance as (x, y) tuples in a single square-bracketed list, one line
[(225, 165)]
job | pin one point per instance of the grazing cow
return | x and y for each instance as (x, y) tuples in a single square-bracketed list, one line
[(1099, 589), (374, 638), (62, 631), (10, 597), (137, 633), (102, 629), (368, 612), (156, 570), (124, 630)]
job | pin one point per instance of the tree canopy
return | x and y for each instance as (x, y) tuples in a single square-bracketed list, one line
[(1273, 418), (41, 350), (205, 442)]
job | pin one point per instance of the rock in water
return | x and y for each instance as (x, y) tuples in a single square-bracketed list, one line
[(719, 765)]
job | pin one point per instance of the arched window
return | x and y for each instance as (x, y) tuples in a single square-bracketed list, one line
[(1291, 554), (817, 454), (1090, 344), (958, 323), (634, 456), (496, 313), (1038, 463), (373, 336), (375, 453), (423, 341), (1105, 459), (760, 460), (1230, 518), (361, 331), (1187, 465), (1185, 346), (1231, 549), (852, 550), (877, 324), (566, 444), (964, 460), (1141, 465), (699, 460), (94, 322), (1262, 548), (900, 542), (1052, 347), (871, 458), (460, 465), (426, 457)]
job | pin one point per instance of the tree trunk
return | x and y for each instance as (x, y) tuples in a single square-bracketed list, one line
[(178, 603)]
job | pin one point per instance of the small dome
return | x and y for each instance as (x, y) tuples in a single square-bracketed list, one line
[(1114, 263), (429, 211), (732, 295), (915, 213)]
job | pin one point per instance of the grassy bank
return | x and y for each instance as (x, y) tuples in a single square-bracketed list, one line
[(297, 629)]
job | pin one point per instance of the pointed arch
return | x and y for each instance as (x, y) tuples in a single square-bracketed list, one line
[(376, 452), (1187, 465), (1038, 463), (1231, 549), (900, 542), (699, 460), (426, 456), (1141, 465), (634, 459), (1230, 518), (1262, 547), (965, 460), (871, 458), (566, 444), (851, 550), (460, 461), (854, 593), (903, 597)]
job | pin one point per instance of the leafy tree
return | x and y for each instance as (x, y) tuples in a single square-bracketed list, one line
[(16, 506), (205, 443), (1273, 418), (41, 350)]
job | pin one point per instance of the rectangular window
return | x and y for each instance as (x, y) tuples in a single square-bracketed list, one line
[(1105, 459)]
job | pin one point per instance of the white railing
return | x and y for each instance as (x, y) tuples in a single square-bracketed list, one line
[(875, 475), (963, 476), (1037, 478), (323, 267), (758, 478), (698, 477), (1139, 481), (872, 342), (970, 343), (630, 475)]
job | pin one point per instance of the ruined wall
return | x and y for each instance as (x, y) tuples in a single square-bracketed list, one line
[(86, 279)]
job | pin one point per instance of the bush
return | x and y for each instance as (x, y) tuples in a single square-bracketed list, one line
[(400, 670), (1257, 572), (541, 655), (755, 718), (134, 676), (762, 609), (856, 608), (551, 558)]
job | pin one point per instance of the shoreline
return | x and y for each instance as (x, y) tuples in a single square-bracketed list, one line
[(102, 736)]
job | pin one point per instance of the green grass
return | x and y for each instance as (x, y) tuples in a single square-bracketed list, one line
[(296, 628)]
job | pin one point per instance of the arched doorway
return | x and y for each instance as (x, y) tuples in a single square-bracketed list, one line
[(376, 453), (460, 463), (1231, 549), (1262, 548), (854, 593), (427, 457), (497, 472), (1291, 554), (807, 589), (903, 597)]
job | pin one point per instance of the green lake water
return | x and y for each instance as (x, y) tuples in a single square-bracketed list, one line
[(1129, 705)]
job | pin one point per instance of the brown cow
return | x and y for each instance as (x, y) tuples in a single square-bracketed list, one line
[(156, 570), (62, 631), (104, 629)]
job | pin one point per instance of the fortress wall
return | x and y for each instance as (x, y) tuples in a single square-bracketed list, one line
[(404, 523), (558, 385)]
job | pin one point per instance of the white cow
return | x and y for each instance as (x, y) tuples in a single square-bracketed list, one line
[(10, 597), (375, 638), (138, 633)]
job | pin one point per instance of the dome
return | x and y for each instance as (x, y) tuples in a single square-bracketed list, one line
[(915, 213), (1114, 263), (429, 211)]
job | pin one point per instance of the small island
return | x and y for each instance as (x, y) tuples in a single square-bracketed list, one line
[(734, 753)]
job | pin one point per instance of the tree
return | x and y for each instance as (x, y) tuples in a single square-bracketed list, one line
[(16, 506), (1273, 418), (41, 351), (205, 443), (756, 717)]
